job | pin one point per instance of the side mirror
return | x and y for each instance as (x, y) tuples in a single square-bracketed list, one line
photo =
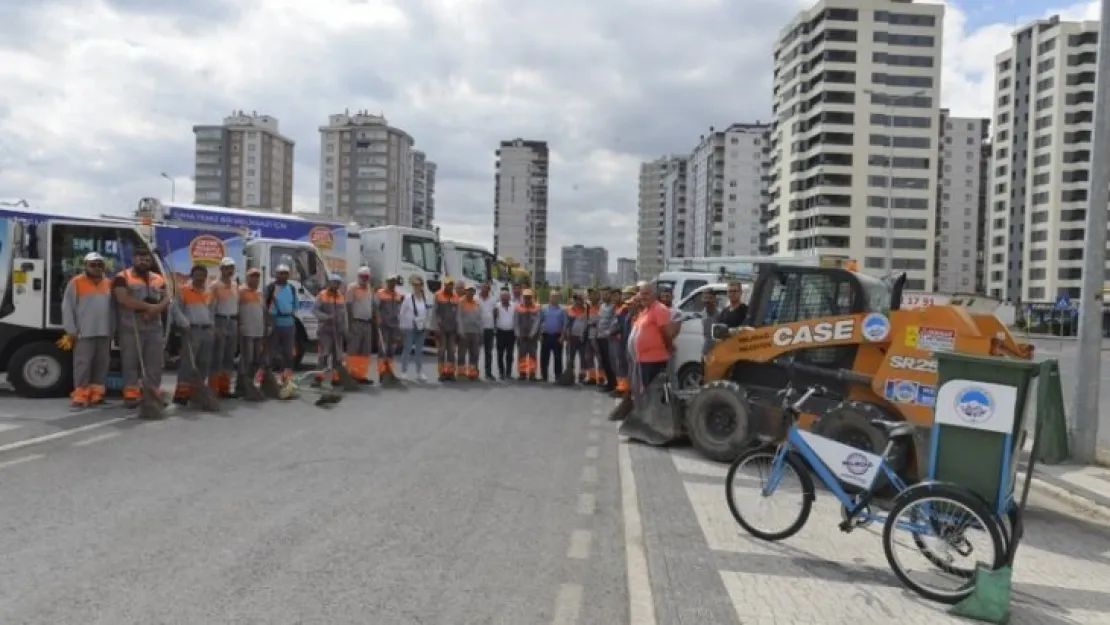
[(720, 331)]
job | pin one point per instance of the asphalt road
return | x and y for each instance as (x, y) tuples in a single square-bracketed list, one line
[(468, 504)]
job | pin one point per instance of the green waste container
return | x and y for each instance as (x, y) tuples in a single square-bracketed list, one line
[(980, 423)]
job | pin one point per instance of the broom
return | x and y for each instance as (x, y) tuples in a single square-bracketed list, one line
[(150, 401), (346, 380), (388, 379), (566, 378), (202, 397), (251, 392)]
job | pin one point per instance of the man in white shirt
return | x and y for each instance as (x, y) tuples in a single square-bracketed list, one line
[(504, 322), (487, 301)]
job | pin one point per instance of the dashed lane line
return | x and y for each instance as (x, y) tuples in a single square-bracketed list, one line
[(15, 461), (56, 435), (568, 604), (96, 439), (580, 545), (595, 422), (593, 435), (641, 602)]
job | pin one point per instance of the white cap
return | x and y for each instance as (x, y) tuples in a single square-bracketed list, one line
[(334, 277), (363, 271), (227, 261), (93, 257), (282, 267)]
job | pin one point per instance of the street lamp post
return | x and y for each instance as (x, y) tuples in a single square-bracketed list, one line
[(173, 186), (890, 101), (1085, 414)]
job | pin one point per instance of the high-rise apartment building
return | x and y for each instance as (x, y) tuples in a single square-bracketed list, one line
[(675, 219), (651, 218), (1040, 169), (429, 195), (520, 204), (244, 163), (964, 160), (856, 92), (365, 170), (726, 190), (585, 266), (626, 271), (420, 191)]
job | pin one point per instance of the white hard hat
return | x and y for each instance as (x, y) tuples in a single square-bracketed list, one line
[(282, 267), (334, 277), (227, 261), (93, 257), (363, 271)]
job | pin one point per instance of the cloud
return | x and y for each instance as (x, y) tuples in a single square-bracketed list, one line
[(100, 96)]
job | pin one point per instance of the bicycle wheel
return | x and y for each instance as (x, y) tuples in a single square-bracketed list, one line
[(793, 476), (952, 516)]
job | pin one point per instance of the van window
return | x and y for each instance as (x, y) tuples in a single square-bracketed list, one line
[(690, 286)]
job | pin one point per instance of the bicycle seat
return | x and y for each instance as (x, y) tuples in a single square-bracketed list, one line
[(894, 429)]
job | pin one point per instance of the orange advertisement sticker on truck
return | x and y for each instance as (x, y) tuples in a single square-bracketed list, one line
[(206, 250), (322, 237)]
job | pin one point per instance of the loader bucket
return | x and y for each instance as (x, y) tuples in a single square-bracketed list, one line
[(656, 417)]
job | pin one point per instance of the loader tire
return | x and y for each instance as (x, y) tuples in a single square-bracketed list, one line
[(850, 423), (718, 421)]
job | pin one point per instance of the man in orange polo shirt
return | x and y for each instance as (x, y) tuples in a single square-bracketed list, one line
[(652, 335)]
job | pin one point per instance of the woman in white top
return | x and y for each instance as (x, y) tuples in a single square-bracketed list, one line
[(414, 325)]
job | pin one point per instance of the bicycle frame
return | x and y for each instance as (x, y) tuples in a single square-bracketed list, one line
[(861, 467)]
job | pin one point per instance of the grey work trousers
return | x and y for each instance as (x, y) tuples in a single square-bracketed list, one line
[(224, 341), (141, 348), (470, 344), (361, 337), (283, 346), (576, 350), (447, 348), (391, 342), (251, 357), (329, 348), (195, 370), (90, 361)]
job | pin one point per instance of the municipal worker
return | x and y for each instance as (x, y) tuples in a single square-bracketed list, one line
[(470, 333), (142, 299), (225, 295), (360, 310), (606, 311), (504, 319), (553, 323), (198, 304), (330, 311), (252, 329), (594, 373), (488, 301), (87, 318), (460, 291), (281, 302), (654, 335), (619, 339), (527, 335), (389, 324), (447, 329), (575, 336)]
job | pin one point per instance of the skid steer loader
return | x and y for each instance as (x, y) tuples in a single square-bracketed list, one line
[(843, 330)]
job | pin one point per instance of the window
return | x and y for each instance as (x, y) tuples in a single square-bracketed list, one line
[(68, 246), (420, 251), (476, 265)]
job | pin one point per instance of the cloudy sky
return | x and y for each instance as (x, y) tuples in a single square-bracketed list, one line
[(97, 97)]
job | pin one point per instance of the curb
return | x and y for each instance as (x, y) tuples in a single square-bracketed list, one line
[(1080, 503)]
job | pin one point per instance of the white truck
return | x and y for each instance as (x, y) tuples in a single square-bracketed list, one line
[(393, 250), (473, 263)]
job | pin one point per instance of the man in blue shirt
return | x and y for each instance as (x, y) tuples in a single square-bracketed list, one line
[(553, 320), (281, 304)]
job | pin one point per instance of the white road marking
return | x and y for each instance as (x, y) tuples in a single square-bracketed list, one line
[(568, 604), (11, 463), (96, 439), (56, 435), (641, 601), (593, 435), (589, 474), (4, 427), (592, 452), (580, 545), (587, 503)]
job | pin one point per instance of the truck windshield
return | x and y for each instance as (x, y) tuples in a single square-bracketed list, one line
[(476, 265), (420, 251), (304, 263)]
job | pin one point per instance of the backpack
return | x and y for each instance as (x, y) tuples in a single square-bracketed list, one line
[(271, 291)]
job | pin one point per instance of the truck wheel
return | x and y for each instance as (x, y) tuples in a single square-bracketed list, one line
[(689, 376), (717, 421), (40, 371)]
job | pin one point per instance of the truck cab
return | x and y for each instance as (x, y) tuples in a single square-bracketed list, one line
[(39, 255), (471, 262), (389, 250)]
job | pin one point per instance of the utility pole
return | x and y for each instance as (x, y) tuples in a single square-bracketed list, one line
[(1085, 412)]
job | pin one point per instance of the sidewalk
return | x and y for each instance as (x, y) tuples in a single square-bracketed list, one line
[(1085, 486)]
